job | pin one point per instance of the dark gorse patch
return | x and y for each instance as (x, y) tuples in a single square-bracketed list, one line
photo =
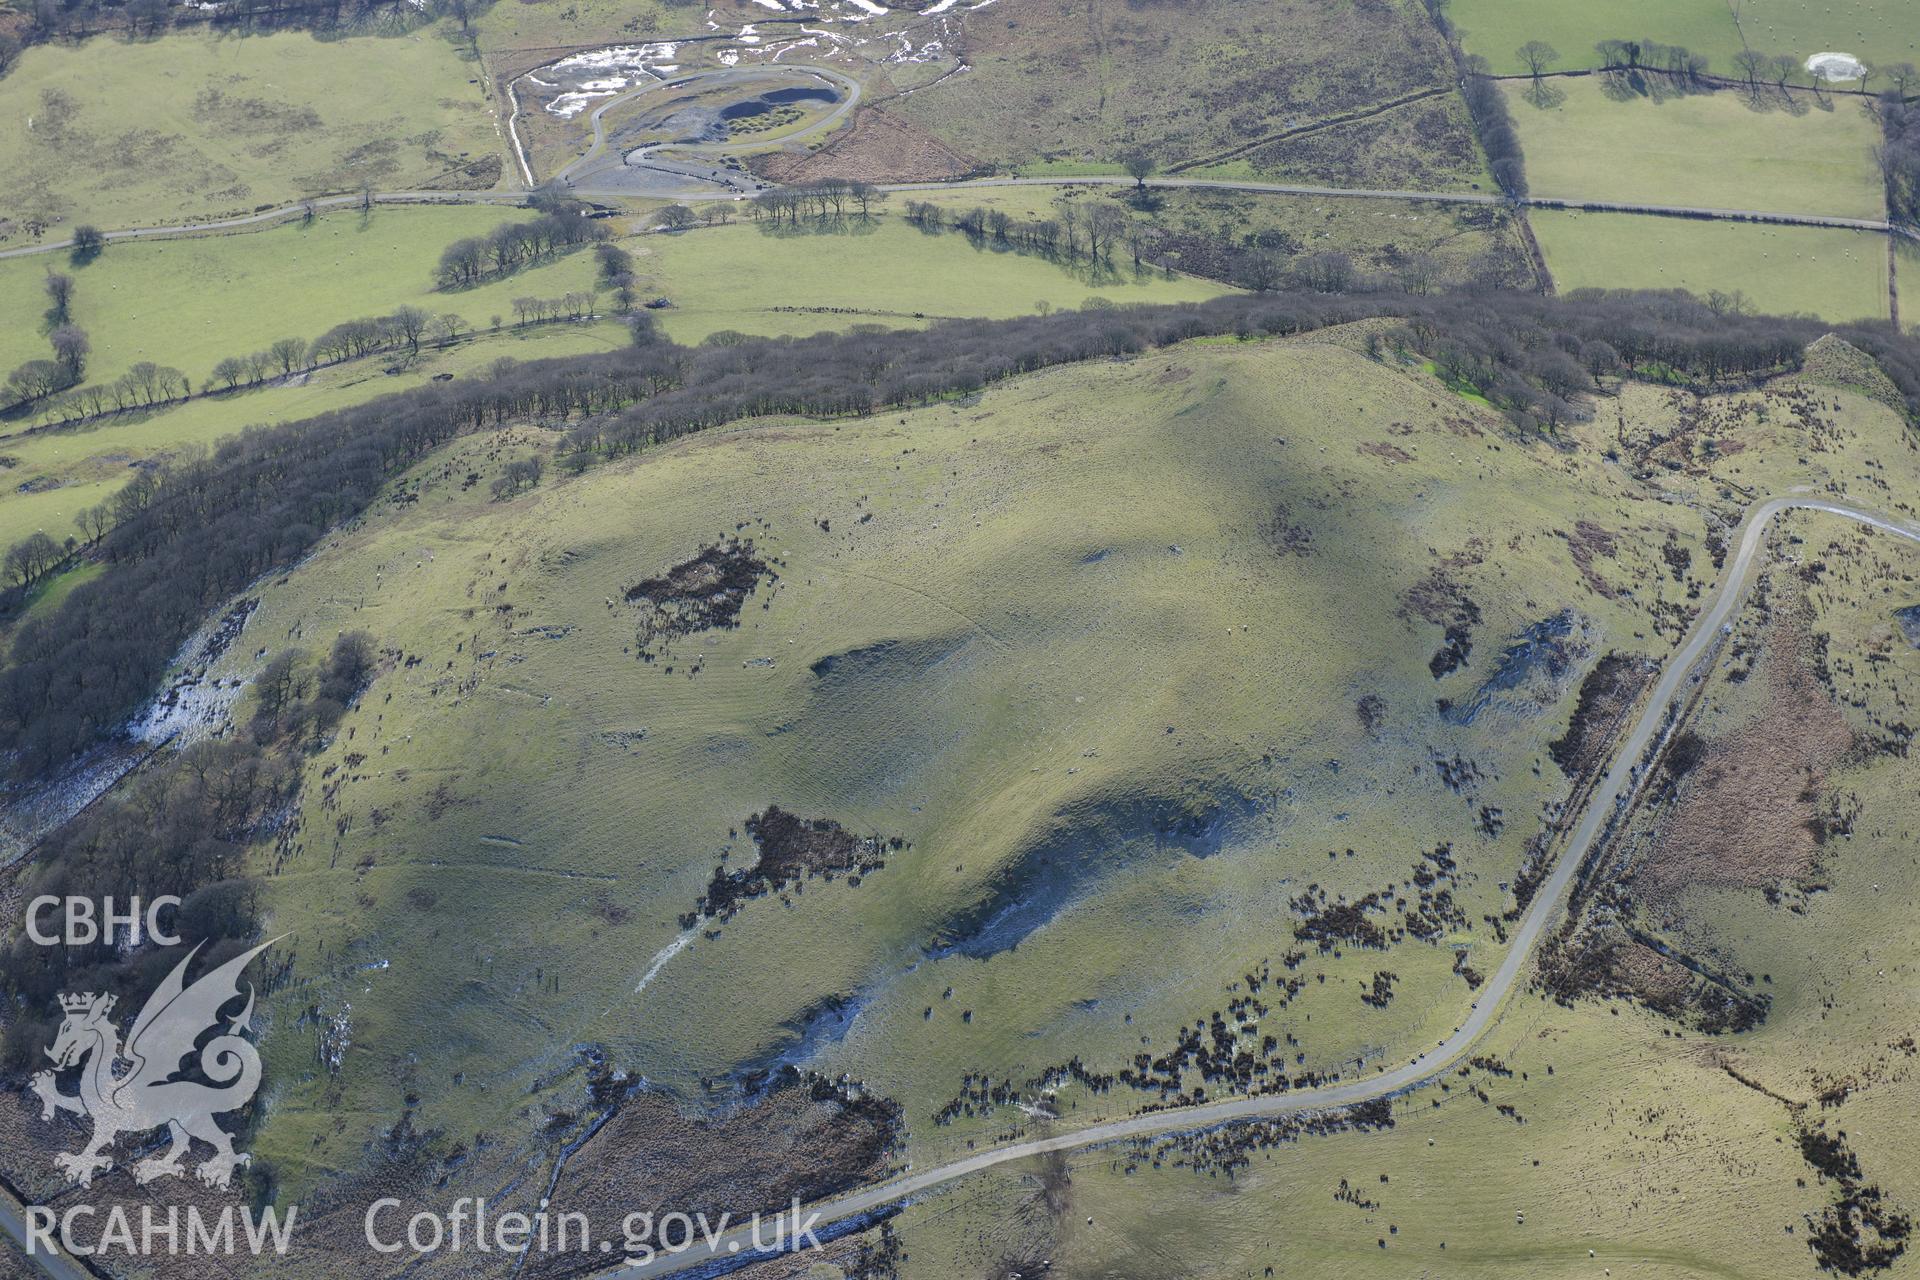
[(705, 593), (792, 849)]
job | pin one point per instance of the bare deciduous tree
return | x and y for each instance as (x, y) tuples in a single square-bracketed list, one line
[(1538, 56), (70, 348), (59, 288), (288, 353)]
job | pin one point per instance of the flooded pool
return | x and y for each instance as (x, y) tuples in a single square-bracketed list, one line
[(777, 98)]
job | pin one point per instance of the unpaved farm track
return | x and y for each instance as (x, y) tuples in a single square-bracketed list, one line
[(1614, 792)]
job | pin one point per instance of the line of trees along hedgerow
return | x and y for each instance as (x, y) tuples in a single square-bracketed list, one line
[(513, 245), (180, 540), (1486, 108)]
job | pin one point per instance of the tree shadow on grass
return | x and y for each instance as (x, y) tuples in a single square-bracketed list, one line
[(847, 225), (1545, 95), (1765, 99)]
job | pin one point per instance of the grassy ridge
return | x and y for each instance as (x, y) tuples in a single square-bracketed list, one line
[(1031, 547), (1629, 1140), (1045, 582)]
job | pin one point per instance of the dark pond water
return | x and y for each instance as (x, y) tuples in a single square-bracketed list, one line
[(776, 98)]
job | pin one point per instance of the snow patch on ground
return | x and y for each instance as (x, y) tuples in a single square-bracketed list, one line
[(619, 57), (569, 105), (1835, 67), (665, 954), (602, 73), (29, 815), (197, 701), (931, 51)]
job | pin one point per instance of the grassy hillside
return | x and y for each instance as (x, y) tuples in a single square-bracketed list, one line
[(1631, 1145), (1075, 633), (190, 126), (1838, 275), (1712, 150), (1218, 683)]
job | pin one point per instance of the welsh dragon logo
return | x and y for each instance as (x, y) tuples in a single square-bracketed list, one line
[(134, 1089)]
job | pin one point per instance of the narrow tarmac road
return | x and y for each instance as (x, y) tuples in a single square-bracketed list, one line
[(56, 1266), (1101, 180)]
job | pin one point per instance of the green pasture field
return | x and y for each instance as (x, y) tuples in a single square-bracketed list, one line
[(1882, 32), (751, 280), (1831, 273), (1494, 29), (1709, 150), (189, 302), (192, 301), (121, 133)]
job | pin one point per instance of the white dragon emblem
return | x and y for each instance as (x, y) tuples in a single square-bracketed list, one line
[(134, 1090)]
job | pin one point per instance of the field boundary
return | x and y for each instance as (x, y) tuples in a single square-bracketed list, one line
[(1313, 126)]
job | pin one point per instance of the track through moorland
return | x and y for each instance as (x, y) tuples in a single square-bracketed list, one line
[(1615, 791)]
